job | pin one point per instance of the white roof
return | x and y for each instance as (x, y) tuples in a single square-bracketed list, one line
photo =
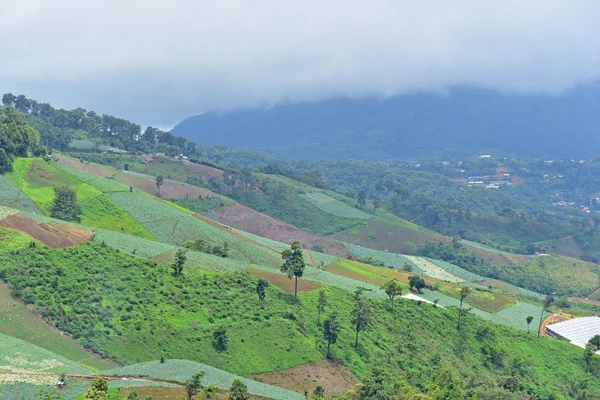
[(578, 330)]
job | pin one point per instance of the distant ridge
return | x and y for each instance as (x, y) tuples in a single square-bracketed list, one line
[(465, 121)]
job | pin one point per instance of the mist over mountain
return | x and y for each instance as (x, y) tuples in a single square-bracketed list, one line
[(463, 121)]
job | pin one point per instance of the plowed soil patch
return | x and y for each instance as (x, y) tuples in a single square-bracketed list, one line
[(204, 170), (249, 220), (98, 170), (53, 234), (283, 282), (168, 190), (335, 378), (498, 258)]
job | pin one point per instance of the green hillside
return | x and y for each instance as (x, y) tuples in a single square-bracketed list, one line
[(180, 315)]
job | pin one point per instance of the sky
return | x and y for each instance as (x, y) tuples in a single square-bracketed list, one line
[(157, 62)]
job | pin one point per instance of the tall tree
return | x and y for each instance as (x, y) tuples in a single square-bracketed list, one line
[(362, 316), (361, 200), (98, 391), (547, 303), (65, 204), (238, 390), (220, 338), (194, 384), (416, 282), (180, 259), (261, 285), (331, 331), (392, 289), (294, 263), (528, 319), (321, 304), (464, 293), (159, 182)]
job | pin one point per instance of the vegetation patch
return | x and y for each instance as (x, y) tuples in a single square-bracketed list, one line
[(283, 282), (98, 210), (12, 196), (13, 240), (181, 370), (333, 206), (52, 234)]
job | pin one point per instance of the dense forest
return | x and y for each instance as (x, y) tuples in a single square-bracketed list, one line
[(413, 126)]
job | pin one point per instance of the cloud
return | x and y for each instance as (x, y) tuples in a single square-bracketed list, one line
[(159, 61)]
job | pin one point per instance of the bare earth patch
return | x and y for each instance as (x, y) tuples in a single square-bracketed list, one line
[(283, 282), (204, 170), (249, 220), (98, 170), (53, 234), (168, 190), (335, 378)]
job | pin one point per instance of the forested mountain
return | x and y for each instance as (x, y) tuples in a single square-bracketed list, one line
[(464, 121)]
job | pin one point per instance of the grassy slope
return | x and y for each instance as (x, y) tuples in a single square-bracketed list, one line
[(176, 316), (37, 179)]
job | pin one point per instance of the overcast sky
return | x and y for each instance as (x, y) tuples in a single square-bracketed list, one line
[(156, 62)]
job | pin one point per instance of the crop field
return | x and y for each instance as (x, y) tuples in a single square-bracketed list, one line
[(12, 196), (30, 390), (458, 271), (102, 184), (333, 206), (482, 298), (19, 322), (18, 355), (172, 226), (433, 271), (181, 370), (12, 240), (131, 244), (7, 212), (320, 259), (512, 316), (395, 260), (37, 179)]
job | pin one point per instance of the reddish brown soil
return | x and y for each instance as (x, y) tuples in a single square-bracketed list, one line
[(204, 170), (53, 234), (75, 164), (498, 258), (334, 377), (249, 220), (553, 319), (168, 190), (283, 282)]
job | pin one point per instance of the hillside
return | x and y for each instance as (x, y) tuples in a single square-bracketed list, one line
[(411, 126)]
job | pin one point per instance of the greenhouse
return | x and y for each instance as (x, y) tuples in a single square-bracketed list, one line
[(577, 331)]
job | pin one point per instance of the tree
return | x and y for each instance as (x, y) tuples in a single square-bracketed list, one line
[(392, 289), (194, 384), (416, 282), (595, 341), (588, 354), (362, 316), (361, 200), (133, 395), (547, 302), (238, 390), (159, 182), (464, 293), (321, 304), (98, 391), (220, 338), (180, 258), (210, 392), (318, 393), (261, 285), (528, 319), (65, 204), (331, 330), (294, 263)]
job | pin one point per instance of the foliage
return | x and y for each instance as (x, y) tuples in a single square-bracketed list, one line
[(331, 331), (392, 289), (11, 196), (65, 204), (261, 285), (416, 282), (238, 391), (194, 384), (220, 338), (293, 265), (17, 139), (180, 258), (37, 179)]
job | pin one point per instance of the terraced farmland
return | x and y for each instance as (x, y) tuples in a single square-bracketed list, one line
[(181, 370), (12, 196), (333, 206), (38, 178)]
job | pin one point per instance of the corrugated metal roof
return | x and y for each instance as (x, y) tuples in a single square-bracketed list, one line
[(578, 330)]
